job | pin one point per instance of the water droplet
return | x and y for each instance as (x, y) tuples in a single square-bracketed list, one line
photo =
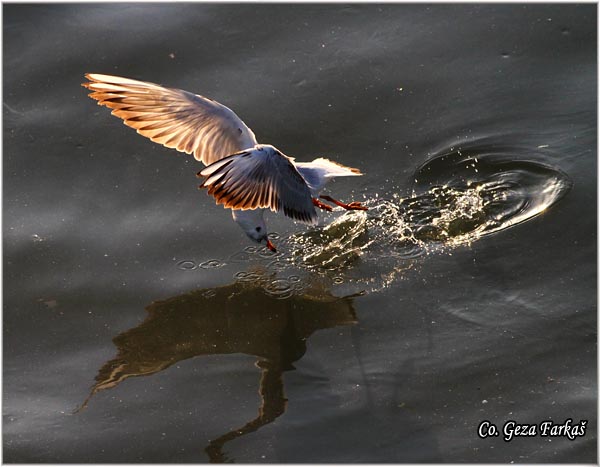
[(565, 31), (505, 55), (338, 280)]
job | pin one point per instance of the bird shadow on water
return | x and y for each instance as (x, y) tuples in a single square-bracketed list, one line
[(242, 318)]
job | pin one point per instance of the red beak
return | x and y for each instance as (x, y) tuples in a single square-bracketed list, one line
[(270, 246)]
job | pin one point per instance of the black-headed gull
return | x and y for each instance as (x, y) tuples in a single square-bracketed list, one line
[(241, 174)]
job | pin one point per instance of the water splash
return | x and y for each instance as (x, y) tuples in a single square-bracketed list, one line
[(457, 198), (484, 192)]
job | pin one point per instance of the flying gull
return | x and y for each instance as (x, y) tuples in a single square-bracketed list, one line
[(241, 174)]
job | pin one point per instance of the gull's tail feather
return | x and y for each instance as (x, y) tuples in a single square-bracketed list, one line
[(334, 169), (320, 171)]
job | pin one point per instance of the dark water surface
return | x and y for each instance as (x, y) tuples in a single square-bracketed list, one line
[(140, 325)]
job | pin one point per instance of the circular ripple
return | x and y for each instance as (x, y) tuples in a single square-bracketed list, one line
[(209, 293), (244, 276), (211, 264), (463, 195), (279, 288), (186, 265)]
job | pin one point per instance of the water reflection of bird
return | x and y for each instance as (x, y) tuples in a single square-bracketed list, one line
[(238, 318), (242, 175)]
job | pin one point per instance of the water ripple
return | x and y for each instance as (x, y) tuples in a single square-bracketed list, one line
[(458, 197), (477, 192), (211, 264), (186, 265)]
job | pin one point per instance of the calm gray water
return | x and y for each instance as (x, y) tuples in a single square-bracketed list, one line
[(140, 325)]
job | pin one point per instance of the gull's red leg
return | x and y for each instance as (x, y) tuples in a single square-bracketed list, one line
[(321, 205), (353, 206)]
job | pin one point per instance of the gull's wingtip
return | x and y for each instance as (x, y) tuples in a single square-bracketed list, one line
[(112, 79), (87, 83), (95, 77), (98, 76)]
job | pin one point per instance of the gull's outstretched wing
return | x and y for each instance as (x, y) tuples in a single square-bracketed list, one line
[(174, 118), (260, 178)]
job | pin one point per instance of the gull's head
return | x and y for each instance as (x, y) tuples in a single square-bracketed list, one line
[(253, 224), (259, 235)]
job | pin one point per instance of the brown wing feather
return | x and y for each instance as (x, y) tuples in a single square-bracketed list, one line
[(260, 178)]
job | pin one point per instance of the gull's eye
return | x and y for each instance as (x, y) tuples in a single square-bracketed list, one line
[(258, 229)]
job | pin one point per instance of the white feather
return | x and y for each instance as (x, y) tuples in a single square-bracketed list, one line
[(320, 171)]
